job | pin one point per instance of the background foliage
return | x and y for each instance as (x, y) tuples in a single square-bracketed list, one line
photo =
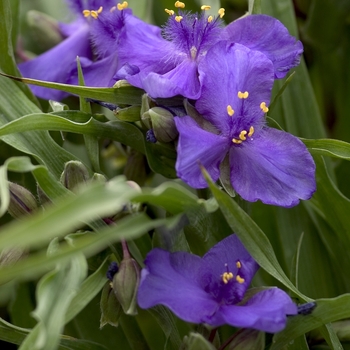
[(50, 297)]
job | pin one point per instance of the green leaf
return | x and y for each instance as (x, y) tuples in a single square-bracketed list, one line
[(254, 7), (329, 147), (327, 311), (123, 93)]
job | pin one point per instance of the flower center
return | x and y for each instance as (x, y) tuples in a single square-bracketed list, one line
[(93, 13), (193, 34), (228, 275)]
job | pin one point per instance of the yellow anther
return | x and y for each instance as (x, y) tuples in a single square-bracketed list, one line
[(205, 7), (242, 135), (221, 12), (230, 111), (94, 14), (241, 94), (178, 18), (180, 4), (238, 264), (122, 6), (169, 12), (236, 141), (210, 19), (226, 276), (239, 279), (264, 108), (251, 131)]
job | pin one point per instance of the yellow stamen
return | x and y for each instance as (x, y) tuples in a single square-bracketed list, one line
[(242, 135), (179, 4), (236, 141), (210, 19), (230, 111), (122, 6), (238, 264), (226, 276), (241, 94), (221, 12), (251, 131), (264, 108), (169, 12), (205, 7), (239, 279), (178, 18), (94, 14)]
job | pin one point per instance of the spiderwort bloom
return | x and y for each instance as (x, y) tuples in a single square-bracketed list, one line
[(264, 163), (212, 289), (59, 63)]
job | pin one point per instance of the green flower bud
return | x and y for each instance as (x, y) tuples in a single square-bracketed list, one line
[(162, 123), (247, 339), (46, 29), (196, 341), (22, 202), (99, 178), (74, 173), (11, 256), (110, 307), (125, 284)]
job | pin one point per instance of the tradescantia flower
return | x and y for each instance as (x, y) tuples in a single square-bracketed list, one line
[(59, 63), (262, 163), (212, 289), (172, 68)]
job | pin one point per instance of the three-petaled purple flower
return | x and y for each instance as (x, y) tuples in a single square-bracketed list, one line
[(212, 289), (262, 163)]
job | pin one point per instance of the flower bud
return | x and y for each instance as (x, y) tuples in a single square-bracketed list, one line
[(125, 284), (11, 255), (162, 122), (99, 178), (46, 29), (74, 173), (22, 202), (247, 339), (110, 307), (196, 341)]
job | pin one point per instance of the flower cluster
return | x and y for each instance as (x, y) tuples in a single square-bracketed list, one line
[(225, 72)]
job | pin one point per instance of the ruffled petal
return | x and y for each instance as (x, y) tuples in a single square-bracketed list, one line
[(197, 146), (272, 166), (269, 36), (182, 80), (58, 64), (172, 279), (266, 311), (226, 70)]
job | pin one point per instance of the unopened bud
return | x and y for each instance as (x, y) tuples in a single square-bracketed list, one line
[(110, 307), (74, 173), (125, 284), (22, 202), (98, 178), (46, 29), (11, 256), (136, 167), (247, 339)]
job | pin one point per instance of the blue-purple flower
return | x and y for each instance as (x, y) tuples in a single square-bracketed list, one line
[(165, 63), (212, 289), (232, 139), (59, 63)]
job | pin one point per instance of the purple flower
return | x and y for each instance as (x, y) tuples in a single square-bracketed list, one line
[(211, 289), (59, 63), (232, 139), (165, 63)]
